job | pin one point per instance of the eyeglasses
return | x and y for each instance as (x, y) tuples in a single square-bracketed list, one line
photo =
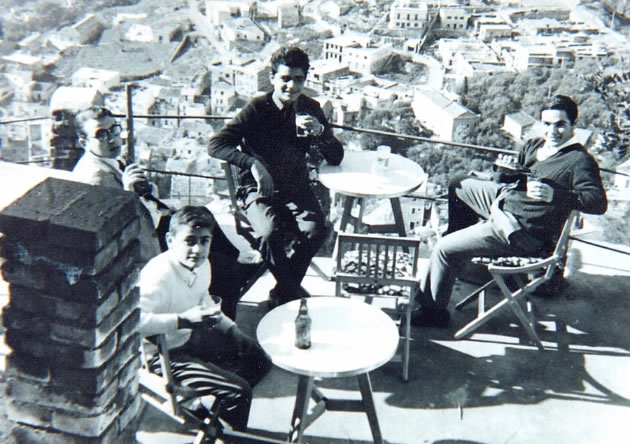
[(107, 133)]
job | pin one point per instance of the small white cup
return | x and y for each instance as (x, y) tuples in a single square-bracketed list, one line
[(383, 153)]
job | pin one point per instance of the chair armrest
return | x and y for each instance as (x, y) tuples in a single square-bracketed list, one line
[(542, 263)]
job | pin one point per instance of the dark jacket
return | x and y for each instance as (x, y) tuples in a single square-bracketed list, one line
[(574, 176), (268, 134)]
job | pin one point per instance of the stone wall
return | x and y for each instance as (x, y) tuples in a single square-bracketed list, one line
[(68, 253)]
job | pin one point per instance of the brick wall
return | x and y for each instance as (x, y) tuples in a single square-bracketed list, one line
[(68, 253), (65, 151)]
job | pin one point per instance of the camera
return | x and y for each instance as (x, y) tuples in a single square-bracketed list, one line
[(142, 188)]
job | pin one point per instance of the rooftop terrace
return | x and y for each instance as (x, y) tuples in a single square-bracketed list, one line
[(494, 387)]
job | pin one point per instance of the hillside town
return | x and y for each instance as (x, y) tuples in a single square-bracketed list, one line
[(194, 58)]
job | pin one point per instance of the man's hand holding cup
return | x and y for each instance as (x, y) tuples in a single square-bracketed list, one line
[(538, 190)]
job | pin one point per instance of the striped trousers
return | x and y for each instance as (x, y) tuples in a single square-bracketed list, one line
[(225, 365)]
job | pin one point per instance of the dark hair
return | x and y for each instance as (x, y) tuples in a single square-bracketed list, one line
[(194, 217), (291, 56), (92, 113), (563, 103)]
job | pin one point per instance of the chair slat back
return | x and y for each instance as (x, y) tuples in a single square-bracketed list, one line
[(243, 227), (375, 261)]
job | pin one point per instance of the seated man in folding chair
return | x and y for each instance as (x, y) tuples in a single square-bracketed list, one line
[(521, 217), (274, 179), (174, 301)]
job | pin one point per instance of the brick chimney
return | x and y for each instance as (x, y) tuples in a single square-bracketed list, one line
[(68, 253)]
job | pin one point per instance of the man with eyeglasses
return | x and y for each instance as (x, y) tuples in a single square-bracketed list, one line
[(274, 181), (100, 136)]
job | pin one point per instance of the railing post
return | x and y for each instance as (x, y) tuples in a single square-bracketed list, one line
[(130, 154), (189, 190)]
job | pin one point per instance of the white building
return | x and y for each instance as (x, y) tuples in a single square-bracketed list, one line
[(75, 99), (518, 124), (241, 29), (248, 76), (139, 33), (251, 77), (406, 14), (492, 31), (223, 97), (101, 79), (220, 12), (322, 72), (443, 116), (455, 19), (357, 52)]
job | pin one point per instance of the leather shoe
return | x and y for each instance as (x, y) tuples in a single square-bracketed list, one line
[(423, 317)]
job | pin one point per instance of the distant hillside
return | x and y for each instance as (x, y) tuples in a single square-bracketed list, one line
[(26, 17)]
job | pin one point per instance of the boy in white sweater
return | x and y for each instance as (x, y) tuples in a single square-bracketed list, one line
[(174, 301)]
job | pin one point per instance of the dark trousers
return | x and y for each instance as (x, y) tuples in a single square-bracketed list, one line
[(232, 363), (292, 231)]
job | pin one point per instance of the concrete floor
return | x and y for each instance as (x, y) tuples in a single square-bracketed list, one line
[(491, 388), (494, 387)]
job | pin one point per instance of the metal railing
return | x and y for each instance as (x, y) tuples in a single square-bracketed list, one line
[(436, 199), (334, 125)]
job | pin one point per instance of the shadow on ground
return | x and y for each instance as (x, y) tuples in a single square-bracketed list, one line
[(443, 374)]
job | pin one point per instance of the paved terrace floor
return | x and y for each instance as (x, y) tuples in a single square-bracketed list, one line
[(577, 391)]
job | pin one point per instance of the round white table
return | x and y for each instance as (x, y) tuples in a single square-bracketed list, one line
[(349, 338), (356, 179)]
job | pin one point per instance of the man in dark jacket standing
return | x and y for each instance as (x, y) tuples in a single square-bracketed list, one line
[(274, 179), (520, 217)]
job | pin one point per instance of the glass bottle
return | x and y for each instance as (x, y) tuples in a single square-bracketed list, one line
[(303, 327)]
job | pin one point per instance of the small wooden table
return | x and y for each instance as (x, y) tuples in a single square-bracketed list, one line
[(349, 338), (356, 179)]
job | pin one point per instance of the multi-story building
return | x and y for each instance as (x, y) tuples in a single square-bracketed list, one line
[(357, 52), (248, 76), (408, 14), (322, 72), (441, 115), (223, 97), (455, 19), (251, 77), (534, 55)]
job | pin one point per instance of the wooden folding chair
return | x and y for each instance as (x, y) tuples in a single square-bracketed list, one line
[(528, 273), (375, 266), (178, 401), (243, 227)]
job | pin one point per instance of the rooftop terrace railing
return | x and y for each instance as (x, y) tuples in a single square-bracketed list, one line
[(342, 127)]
